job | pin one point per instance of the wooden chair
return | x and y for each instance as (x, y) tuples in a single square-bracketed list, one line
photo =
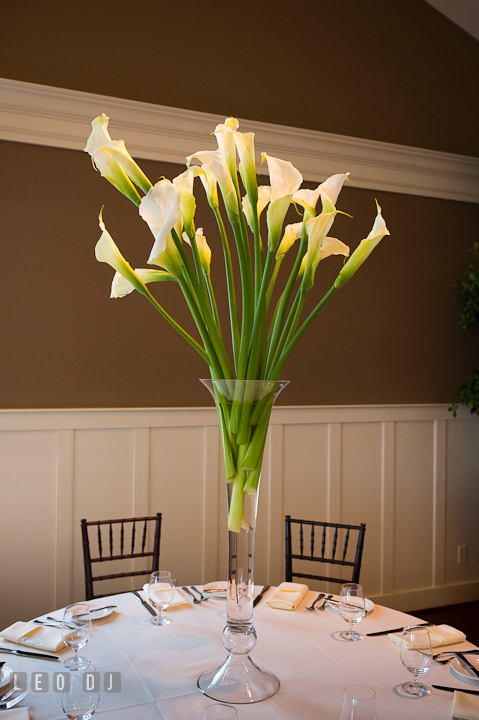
[(328, 536), (108, 556)]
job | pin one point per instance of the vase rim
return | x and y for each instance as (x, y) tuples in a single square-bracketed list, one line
[(244, 390)]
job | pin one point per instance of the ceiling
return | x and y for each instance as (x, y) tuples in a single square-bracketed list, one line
[(464, 13)]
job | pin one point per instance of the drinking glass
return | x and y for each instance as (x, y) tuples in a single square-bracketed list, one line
[(359, 703), (351, 608), (160, 593), (79, 703), (416, 656), (76, 632), (220, 712)]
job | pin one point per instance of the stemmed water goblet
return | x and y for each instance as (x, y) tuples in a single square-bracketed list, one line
[(351, 608), (160, 594), (76, 632), (359, 703), (416, 656), (79, 702)]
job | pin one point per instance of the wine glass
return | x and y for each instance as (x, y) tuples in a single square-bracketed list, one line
[(76, 632), (416, 656), (219, 711), (359, 703), (351, 608), (160, 594), (78, 702)]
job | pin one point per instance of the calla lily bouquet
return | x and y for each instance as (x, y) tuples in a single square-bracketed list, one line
[(262, 336)]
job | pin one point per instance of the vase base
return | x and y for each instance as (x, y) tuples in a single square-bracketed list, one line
[(239, 681)]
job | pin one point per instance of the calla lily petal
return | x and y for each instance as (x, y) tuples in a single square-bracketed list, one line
[(307, 199), (330, 189), (213, 162), (121, 286), (106, 251), (226, 143), (204, 250), (264, 196), (285, 179), (364, 249), (160, 209), (184, 183), (291, 234), (114, 161)]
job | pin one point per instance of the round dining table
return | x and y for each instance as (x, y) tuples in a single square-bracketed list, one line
[(159, 666)]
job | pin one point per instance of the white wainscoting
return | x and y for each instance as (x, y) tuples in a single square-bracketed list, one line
[(409, 472)]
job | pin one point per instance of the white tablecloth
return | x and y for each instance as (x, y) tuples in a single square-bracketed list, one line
[(159, 666)]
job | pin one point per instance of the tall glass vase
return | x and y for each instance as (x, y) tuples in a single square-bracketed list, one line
[(244, 408)]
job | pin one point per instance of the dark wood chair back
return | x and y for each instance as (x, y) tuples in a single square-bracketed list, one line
[(326, 544), (134, 545)]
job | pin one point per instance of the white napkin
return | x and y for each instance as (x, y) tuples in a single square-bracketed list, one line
[(287, 596), (179, 602), (440, 635), (36, 636), (465, 707), (17, 713)]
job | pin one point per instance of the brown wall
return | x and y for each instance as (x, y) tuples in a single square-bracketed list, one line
[(398, 72)]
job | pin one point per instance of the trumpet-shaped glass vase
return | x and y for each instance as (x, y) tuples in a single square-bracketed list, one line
[(244, 408)]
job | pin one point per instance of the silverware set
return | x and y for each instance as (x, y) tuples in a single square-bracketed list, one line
[(197, 599), (323, 605), (9, 699)]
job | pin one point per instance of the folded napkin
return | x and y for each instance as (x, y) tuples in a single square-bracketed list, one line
[(17, 713), (36, 636), (287, 596), (465, 707), (440, 635), (179, 602)]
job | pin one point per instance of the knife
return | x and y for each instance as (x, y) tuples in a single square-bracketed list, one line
[(344, 604), (260, 595), (450, 689), (24, 653), (386, 632), (148, 607), (467, 662)]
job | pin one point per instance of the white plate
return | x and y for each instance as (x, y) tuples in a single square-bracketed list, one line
[(7, 677), (463, 673), (100, 614), (216, 589), (335, 609)]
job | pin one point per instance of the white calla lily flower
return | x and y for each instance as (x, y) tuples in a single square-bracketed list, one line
[(285, 180), (364, 249), (214, 163), (121, 286), (245, 147), (330, 189), (106, 251), (184, 183), (307, 199), (226, 144), (204, 250), (329, 246), (114, 162), (264, 196), (291, 234), (160, 209)]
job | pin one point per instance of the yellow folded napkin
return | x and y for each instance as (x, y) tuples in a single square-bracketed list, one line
[(465, 707), (179, 602), (287, 596), (440, 635), (36, 636), (17, 713)]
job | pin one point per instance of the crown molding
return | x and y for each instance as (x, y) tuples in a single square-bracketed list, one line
[(57, 117)]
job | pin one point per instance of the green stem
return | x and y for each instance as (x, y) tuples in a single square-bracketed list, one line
[(230, 284)]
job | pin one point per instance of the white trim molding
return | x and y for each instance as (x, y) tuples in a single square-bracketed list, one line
[(57, 117), (408, 471)]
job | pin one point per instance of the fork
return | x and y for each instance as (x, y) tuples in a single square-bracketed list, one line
[(9, 693), (311, 607), (195, 599), (203, 597), (326, 600), (14, 701)]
